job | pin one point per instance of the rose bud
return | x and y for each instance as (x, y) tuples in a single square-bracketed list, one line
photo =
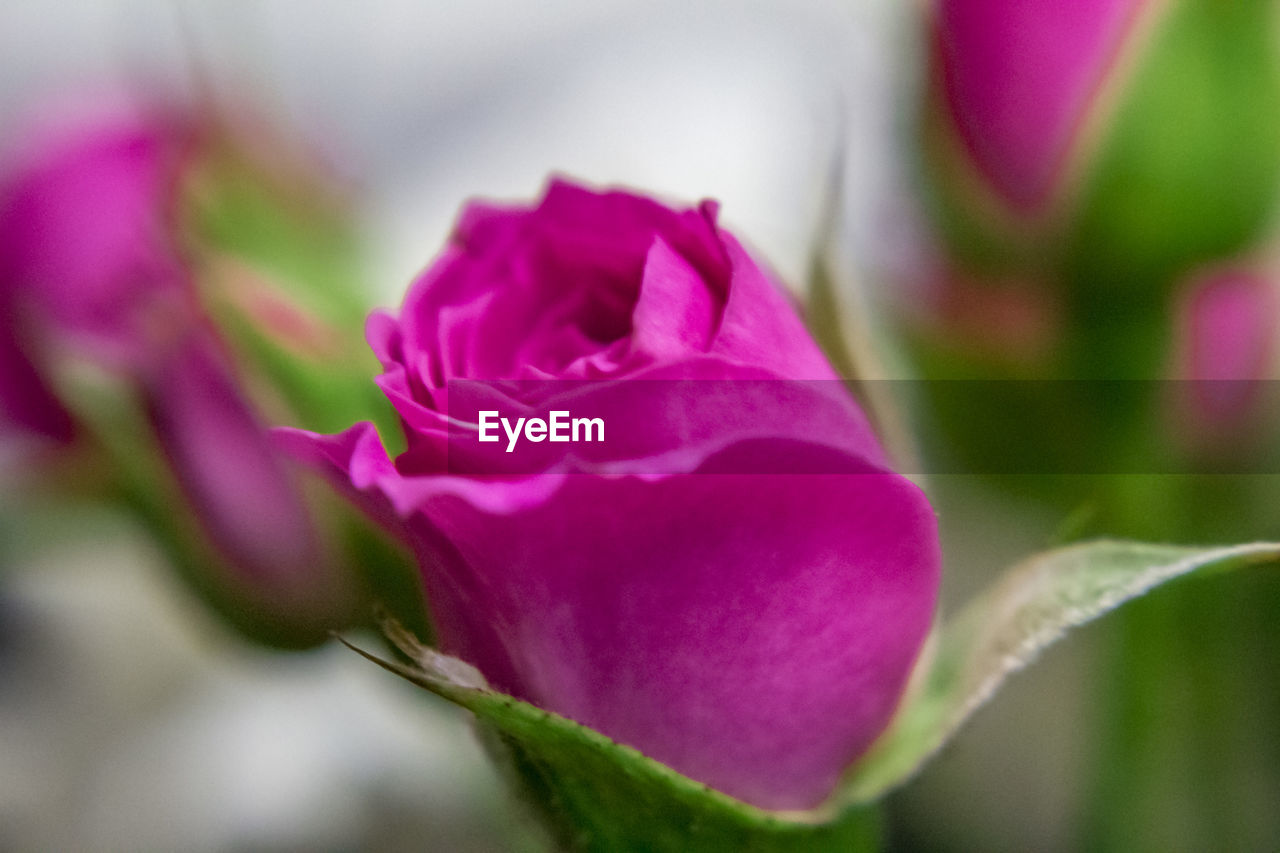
[(1227, 341), (733, 581), (1081, 162), (98, 270), (1104, 147)]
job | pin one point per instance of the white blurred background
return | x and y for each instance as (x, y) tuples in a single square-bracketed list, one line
[(427, 103)]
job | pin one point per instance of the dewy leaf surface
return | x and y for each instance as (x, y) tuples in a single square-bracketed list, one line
[(1003, 630)]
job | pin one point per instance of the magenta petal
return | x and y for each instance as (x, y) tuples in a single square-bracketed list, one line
[(751, 631), (85, 234), (674, 314), (357, 464), (1230, 333), (1233, 320), (1018, 78), (664, 420), (382, 331), (760, 326), (221, 455), (611, 232), (543, 319)]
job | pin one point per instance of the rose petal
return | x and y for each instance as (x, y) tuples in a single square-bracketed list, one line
[(675, 312), (752, 631), (760, 326)]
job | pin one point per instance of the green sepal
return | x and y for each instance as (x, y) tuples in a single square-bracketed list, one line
[(842, 317), (594, 794)]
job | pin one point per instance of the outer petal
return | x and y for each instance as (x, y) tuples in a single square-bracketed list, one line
[(661, 421), (760, 326), (752, 631), (356, 462), (352, 460)]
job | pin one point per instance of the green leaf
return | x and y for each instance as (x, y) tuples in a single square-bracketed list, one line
[(596, 794), (1004, 629)]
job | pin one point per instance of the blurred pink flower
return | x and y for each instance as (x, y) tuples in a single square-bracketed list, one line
[(92, 269), (1228, 333), (1019, 79)]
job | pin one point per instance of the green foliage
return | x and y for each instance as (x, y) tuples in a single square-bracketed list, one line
[(1187, 173), (596, 794), (290, 244), (1003, 630)]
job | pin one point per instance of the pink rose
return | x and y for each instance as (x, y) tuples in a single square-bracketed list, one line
[(739, 585), (92, 269)]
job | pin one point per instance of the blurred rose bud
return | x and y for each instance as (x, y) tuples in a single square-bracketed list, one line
[(1105, 147), (83, 253), (1227, 342), (105, 264), (733, 582), (1082, 161)]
